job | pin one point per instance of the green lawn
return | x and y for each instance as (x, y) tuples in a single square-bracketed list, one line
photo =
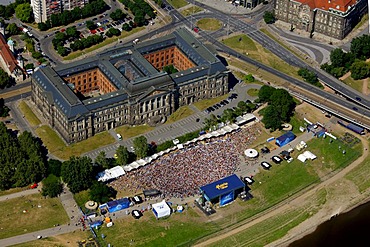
[(243, 44), (107, 41), (178, 3), (355, 84), (209, 24), (56, 146), (296, 123), (203, 104), (15, 222), (148, 231), (253, 92), (181, 113), (31, 118), (131, 131), (360, 175), (191, 10)]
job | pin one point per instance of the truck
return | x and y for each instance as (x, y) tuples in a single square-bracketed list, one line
[(355, 128)]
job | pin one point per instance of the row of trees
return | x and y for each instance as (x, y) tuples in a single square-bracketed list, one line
[(280, 107), (140, 9), (94, 7), (5, 79), (84, 43), (341, 62), (4, 110), (228, 115), (118, 15), (22, 159), (310, 77), (8, 11)]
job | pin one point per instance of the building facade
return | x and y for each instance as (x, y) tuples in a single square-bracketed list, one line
[(43, 9), (127, 85), (333, 18)]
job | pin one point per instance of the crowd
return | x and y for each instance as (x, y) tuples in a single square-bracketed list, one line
[(181, 173)]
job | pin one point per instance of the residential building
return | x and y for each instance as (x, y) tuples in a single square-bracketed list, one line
[(332, 18), (8, 62), (43, 9), (128, 85)]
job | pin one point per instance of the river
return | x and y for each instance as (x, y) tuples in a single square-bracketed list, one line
[(348, 229)]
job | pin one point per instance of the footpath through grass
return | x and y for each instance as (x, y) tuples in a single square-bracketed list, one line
[(31, 118), (15, 222), (57, 147)]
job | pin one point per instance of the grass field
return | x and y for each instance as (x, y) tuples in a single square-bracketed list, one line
[(209, 24), (191, 10), (275, 227), (239, 75), (244, 44), (296, 122), (15, 222), (56, 146), (81, 198), (204, 104), (178, 3), (107, 41), (181, 113), (131, 131), (253, 92), (65, 240), (355, 84), (360, 175), (32, 119), (12, 191)]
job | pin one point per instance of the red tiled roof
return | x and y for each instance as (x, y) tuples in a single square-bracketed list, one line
[(7, 54), (341, 5)]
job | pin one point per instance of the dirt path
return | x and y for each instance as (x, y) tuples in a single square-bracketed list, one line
[(296, 201), (365, 86)]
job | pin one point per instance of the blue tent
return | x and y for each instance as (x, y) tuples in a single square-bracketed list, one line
[(223, 189), (117, 205), (285, 139)]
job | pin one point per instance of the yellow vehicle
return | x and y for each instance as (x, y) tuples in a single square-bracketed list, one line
[(115, 156)]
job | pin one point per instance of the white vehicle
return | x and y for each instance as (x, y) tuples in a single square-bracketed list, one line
[(289, 160), (39, 237), (98, 24), (119, 137), (136, 41)]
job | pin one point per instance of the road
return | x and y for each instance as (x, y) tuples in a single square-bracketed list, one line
[(278, 50)]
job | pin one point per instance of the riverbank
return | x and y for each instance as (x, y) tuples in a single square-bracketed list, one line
[(343, 196)]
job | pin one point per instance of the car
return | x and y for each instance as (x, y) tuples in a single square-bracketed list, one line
[(197, 120), (98, 24), (226, 101), (136, 41), (101, 16), (219, 105), (136, 214), (248, 180), (95, 19), (265, 165), (105, 14), (265, 150), (290, 150), (288, 159), (79, 24), (358, 98), (355, 108), (39, 237), (119, 137), (276, 159)]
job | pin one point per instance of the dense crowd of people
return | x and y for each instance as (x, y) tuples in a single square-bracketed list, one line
[(181, 173)]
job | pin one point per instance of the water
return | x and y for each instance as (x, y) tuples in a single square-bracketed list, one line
[(349, 229)]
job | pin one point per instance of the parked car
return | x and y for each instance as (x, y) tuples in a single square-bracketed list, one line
[(265, 165), (248, 180), (276, 159)]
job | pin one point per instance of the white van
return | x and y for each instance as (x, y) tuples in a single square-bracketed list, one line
[(119, 137), (136, 41)]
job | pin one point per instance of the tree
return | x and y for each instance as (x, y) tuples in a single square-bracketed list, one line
[(12, 29), (4, 110), (269, 17), (90, 25), (337, 57), (54, 167), (100, 192), (122, 156), (170, 69), (228, 116), (271, 118), (283, 103), (360, 70), (29, 66), (102, 160), (309, 76), (77, 172), (243, 106), (249, 78), (51, 186), (117, 15), (210, 122), (5, 80), (141, 146), (360, 47), (62, 51), (72, 32), (24, 12), (265, 92)]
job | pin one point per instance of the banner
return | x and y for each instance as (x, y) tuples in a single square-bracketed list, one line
[(226, 198)]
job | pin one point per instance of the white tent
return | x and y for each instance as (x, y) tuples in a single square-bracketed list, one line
[(180, 146), (161, 209), (309, 155), (302, 158), (112, 173)]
